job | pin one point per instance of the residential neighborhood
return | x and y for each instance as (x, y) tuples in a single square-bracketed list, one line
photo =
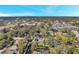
[(39, 35)]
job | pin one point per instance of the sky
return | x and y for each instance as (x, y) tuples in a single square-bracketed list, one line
[(39, 10)]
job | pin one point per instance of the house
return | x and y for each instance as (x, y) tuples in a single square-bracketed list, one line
[(77, 35), (56, 32), (60, 26), (13, 49), (50, 33), (39, 39), (75, 32)]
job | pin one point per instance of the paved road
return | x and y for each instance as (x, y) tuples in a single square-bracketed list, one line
[(28, 47)]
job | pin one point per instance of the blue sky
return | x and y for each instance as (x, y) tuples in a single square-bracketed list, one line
[(39, 10)]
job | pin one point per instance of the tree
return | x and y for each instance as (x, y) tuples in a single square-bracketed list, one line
[(21, 46), (2, 41), (63, 38), (73, 50), (2, 44)]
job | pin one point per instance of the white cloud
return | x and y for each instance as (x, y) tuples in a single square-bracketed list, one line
[(2, 14), (24, 14), (18, 14), (39, 2)]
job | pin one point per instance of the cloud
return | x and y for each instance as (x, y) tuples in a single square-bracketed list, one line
[(18, 14), (24, 14), (2, 14)]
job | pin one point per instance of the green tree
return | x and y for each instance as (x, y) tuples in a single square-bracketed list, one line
[(21, 46)]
